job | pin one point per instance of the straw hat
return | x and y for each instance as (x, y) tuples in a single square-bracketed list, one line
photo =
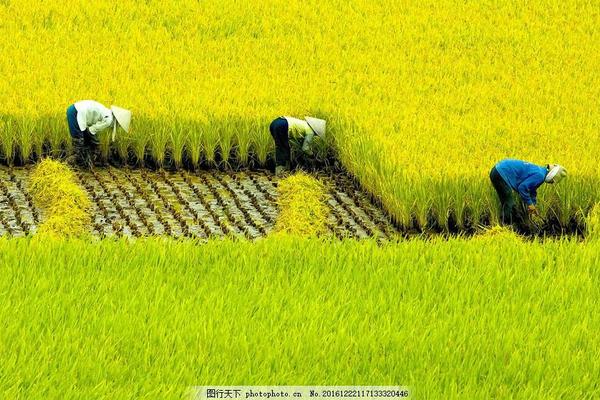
[(555, 173), (123, 117), (317, 125)]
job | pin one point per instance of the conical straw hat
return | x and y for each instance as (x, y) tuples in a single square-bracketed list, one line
[(317, 125), (556, 174), (123, 117)]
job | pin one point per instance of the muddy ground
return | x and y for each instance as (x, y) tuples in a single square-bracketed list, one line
[(138, 202)]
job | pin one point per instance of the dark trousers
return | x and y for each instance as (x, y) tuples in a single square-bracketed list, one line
[(279, 131), (76, 133), (505, 193)]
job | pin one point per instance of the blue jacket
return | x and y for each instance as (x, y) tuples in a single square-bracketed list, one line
[(523, 177)]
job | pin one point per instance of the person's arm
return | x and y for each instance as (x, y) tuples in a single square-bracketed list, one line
[(105, 122), (532, 209), (533, 194), (307, 140), (528, 190)]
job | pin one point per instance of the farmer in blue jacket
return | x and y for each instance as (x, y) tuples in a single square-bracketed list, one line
[(524, 178)]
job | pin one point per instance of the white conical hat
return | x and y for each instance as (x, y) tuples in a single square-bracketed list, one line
[(317, 125), (556, 173), (123, 117)]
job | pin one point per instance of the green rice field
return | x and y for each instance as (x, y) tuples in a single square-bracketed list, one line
[(485, 318)]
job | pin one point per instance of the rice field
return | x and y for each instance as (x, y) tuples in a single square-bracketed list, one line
[(180, 260), (421, 98), (474, 319)]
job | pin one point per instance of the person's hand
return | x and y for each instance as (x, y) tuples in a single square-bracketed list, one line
[(532, 210)]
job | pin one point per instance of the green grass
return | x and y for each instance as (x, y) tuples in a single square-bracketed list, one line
[(457, 319)]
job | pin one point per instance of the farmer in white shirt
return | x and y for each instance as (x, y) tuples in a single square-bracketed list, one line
[(284, 128), (86, 120)]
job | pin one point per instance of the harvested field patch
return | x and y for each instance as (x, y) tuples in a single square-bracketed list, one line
[(203, 204)]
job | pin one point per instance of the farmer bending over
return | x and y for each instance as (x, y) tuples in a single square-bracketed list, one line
[(86, 119), (525, 178), (283, 128)]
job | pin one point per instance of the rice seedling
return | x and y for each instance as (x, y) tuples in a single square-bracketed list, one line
[(54, 135), (193, 144), (7, 142), (225, 146), (104, 146), (158, 144), (177, 143), (24, 141), (121, 146), (243, 141), (210, 144), (262, 145)]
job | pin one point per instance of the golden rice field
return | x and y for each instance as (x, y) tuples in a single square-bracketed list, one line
[(422, 98)]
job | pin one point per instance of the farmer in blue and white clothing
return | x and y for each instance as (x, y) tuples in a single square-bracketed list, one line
[(86, 119), (525, 178), (285, 128)]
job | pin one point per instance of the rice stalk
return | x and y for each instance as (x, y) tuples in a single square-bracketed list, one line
[(302, 208), (64, 203)]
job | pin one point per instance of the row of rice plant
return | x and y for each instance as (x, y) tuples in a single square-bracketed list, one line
[(222, 143)]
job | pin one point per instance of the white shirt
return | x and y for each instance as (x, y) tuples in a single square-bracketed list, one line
[(299, 127), (93, 116)]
